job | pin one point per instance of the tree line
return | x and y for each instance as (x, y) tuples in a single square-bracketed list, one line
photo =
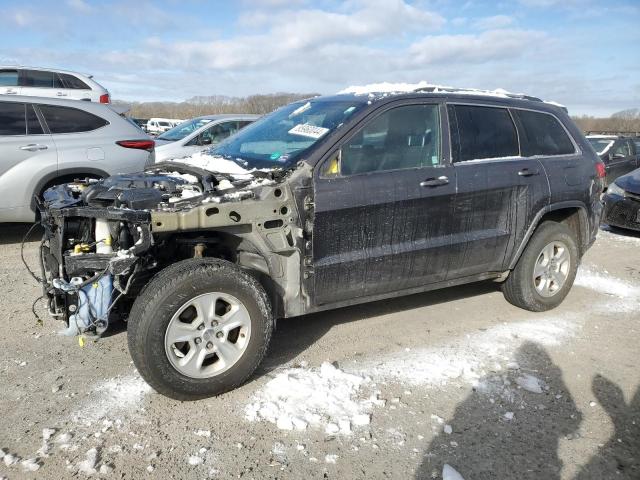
[(625, 121)]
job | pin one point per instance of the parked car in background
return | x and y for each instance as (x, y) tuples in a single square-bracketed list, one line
[(618, 153), (141, 122), (46, 142), (47, 82), (198, 133), (622, 202), (324, 203), (156, 126)]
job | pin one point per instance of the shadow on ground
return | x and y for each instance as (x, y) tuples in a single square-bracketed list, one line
[(294, 335), (15, 232), (486, 444)]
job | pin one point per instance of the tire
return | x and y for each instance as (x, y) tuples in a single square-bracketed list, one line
[(174, 304), (538, 294)]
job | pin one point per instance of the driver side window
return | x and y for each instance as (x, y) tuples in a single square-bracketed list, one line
[(621, 149), (403, 137), (215, 133)]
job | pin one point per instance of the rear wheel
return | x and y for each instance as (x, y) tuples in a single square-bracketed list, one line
[(546, 270), (200, 328)]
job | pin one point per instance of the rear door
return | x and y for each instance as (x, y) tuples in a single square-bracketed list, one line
[(27, 154), (382, 207), (499, 191), (9, 81)]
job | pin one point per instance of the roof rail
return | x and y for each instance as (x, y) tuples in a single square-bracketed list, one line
[(436, 89)]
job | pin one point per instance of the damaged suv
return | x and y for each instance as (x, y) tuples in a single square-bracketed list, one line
[(324, 203)]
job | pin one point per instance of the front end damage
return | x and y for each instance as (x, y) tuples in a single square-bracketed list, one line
[(105, 239)]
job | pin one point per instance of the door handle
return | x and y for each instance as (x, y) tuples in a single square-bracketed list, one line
[(33, 147), (10, 92), (528, 172), (61, 94), (435, 182)]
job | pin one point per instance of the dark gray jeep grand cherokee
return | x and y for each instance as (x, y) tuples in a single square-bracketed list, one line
[(324, 203)]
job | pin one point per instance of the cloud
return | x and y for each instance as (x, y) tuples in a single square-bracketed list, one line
[(496, 21), (80, 6)]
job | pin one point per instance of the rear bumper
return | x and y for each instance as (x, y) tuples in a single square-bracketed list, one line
[(623, 212)]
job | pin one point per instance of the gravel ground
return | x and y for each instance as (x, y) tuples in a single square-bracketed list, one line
[(419, 387)]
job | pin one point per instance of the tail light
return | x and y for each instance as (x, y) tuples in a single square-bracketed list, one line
[(105, 98), (147, 145), (601, 170)]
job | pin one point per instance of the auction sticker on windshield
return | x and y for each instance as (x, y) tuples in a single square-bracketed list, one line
[(306, 130)]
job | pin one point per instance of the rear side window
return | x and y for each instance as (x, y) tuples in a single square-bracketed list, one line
[(70, 120), (8, 78), (481, 132), (12, 119), (69, 81), (542, 134), (38, 79)]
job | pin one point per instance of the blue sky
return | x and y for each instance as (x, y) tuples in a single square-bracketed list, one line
[(582, 53)]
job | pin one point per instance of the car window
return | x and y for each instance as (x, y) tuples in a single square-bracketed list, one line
[(219, 132), (637, 143), (244, 123), (542, 134), (481, 132), (33, 123), (37, 78), (72, 82), (600, 145), (8, 78), (70, 120), (621, 148), (12, 119), (403, 137)]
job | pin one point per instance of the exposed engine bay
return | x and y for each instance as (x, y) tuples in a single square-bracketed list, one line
[(104, 239)]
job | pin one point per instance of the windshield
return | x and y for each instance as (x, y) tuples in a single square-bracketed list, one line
[(600, 144), (282, 137), (183, 129)]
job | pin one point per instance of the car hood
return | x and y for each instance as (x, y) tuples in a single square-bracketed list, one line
[(630, 182)]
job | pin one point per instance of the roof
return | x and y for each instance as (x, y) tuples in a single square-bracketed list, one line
[(58, 70), (378, 91)]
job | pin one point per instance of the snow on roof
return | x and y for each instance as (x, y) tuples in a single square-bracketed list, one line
[(606, 137), (387, 88)]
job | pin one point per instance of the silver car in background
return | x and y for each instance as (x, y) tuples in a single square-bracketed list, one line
[(199, 133), (49, 82), (46, 142)]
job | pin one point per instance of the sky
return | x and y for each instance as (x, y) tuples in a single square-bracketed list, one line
[(581, 53)]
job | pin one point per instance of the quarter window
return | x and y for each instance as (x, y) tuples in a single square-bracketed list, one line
[(8, 78), (70, 120), (12, 119), (542, 134), (481, 132), (403, 137), (69, 81)]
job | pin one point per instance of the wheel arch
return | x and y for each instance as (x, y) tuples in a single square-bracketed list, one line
[(572, 213), (64, 175)]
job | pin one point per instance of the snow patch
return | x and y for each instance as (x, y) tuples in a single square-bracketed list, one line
[(321, 397), (467, 359), (604, 283), (450, 473), (529, 383), (214, 163), (120, 395)]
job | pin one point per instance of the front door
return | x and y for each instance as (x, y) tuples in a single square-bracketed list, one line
[(383, 204)]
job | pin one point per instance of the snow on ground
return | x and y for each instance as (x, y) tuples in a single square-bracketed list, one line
[(600, 281), (120, 396), (465, 360), (321, 397), (630, 237)]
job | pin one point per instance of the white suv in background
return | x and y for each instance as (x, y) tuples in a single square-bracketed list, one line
[(46, 142), (46, 82)]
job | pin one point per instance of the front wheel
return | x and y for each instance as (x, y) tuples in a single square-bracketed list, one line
[(546, 270), (200, 328)]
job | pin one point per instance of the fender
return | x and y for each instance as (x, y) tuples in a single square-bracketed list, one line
[(584, 224), (65, 172)]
